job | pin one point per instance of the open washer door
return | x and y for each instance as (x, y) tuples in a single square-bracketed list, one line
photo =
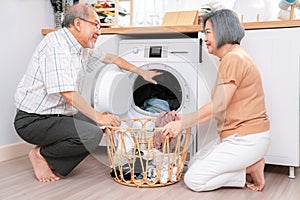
[(172, 91), (113, 92)]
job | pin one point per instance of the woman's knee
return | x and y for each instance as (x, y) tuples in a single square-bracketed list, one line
[(187, 180), (193, 181)]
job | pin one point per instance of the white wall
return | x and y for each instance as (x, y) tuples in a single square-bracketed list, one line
[(21, 23), (145, 10)]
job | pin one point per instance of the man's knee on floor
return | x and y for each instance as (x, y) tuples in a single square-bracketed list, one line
[(92, 140)]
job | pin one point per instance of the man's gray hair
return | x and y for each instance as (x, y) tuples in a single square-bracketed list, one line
[(76, 11), (226, 26)]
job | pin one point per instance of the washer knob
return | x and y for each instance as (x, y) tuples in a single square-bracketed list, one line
[(135, 50)]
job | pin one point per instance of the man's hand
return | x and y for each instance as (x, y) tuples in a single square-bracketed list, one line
[(107, 119), (148, 75)]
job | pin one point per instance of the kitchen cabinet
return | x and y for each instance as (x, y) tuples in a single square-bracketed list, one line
[(111, 11), (277, 53)]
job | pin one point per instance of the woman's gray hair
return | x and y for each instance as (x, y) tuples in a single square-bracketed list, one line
[(226, 26), (76, 11)]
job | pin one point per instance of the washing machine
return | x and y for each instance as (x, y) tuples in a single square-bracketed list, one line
[(124, 93), (182, 86)]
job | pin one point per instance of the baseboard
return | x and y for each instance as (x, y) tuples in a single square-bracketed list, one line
[(14, 151)]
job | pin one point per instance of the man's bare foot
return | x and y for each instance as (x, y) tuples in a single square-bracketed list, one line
[(256, 171), (40, 166)]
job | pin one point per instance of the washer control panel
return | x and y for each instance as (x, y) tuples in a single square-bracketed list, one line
[(160, 50)]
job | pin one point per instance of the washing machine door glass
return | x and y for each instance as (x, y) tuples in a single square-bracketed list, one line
[(113, 93)]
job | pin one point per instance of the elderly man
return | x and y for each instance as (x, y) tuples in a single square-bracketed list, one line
[(48, 96)]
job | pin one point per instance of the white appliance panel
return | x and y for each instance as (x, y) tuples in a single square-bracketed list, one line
[(276, 53)]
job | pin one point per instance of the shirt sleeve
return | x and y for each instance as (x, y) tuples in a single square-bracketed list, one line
[(231, 70), (95, 58)]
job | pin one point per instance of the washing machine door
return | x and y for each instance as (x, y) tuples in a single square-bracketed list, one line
[(172, 91), (112, 91)]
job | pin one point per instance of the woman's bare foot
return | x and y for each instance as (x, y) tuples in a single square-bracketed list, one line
[(256, 171), (40, 166)]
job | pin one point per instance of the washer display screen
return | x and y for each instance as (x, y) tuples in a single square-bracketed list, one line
[(155, 52)]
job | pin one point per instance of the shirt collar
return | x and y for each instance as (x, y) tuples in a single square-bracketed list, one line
[(72, 41), (234, 46)]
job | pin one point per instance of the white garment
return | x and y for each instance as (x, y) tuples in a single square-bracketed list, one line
[(124, 147), (164, 163), (128, 142), (226, 164)]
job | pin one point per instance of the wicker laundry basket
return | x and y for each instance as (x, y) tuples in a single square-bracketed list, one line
[(134, 158)]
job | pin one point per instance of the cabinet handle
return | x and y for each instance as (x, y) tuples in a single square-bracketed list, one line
[(183, 52), (200, 50)]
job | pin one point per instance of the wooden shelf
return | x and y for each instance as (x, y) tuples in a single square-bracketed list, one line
[(272, 24), (190, 29), (152, 30), (144, 30)]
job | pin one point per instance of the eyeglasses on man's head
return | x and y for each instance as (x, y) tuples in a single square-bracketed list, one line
[(97, 24)]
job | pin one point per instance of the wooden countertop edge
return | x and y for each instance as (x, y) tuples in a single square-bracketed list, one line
[(190, 28), (144, 30), (272, 24)]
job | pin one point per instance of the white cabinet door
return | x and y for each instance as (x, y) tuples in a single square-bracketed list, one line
[(276, 53)]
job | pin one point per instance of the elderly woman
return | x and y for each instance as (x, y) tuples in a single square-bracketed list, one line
[(238, 107)]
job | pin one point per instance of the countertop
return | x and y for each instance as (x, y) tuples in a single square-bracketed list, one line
[(190, 28)]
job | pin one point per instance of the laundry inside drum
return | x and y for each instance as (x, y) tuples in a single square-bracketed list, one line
[(165, 96)]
